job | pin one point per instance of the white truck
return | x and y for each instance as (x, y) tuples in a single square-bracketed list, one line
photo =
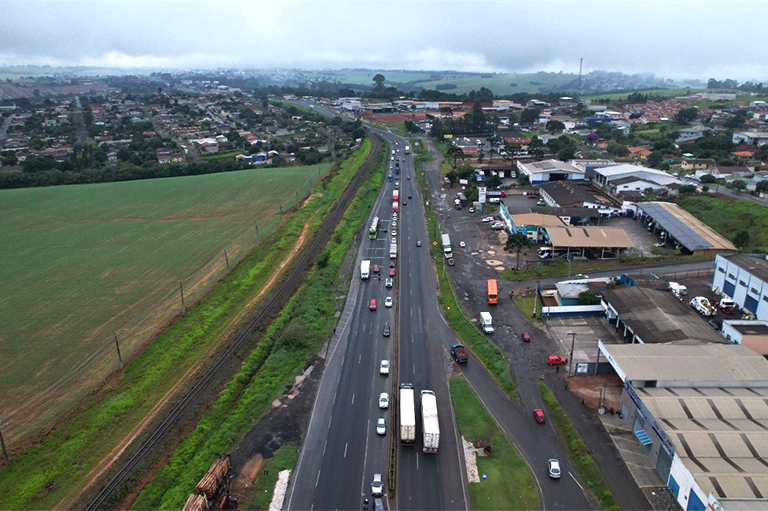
[(407, 414), (678, 289), (447, 252), (703, 306), (407, 149), (486, 322), (365, 270), (393, 251), (429, 421)]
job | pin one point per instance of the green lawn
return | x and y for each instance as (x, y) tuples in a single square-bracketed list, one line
[(526, 306), (81, 262), (729, 217), (661, 93), (508, 483)]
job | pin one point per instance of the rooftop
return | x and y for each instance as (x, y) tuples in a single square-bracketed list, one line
[(746, 327), (756, 264), (657, 317), (567, 192), (702, 365), (691, 232), (537, 219), (594, 237), (551, 165)]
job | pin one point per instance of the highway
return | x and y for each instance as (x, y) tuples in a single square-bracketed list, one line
[(342, 450)]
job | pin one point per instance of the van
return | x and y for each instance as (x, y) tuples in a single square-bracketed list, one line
[(486, 322), (678, 289)]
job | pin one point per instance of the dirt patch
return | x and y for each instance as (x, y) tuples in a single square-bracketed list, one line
[(470, 459), (590, 388), (240, 485)]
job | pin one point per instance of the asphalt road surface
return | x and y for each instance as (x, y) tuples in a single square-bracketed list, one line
[(342, 450)]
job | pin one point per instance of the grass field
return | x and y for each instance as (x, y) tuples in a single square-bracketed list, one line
[(509, 484), (730, 217), (82, 262), (502, 84), (661, 93)]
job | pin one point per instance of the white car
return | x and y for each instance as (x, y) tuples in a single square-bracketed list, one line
[(394, 231), (381, 426), (488, 219), (377, 486), (383, 400), (553, 467), (659, 244), (388, 301), (462, 244), (384, 367)]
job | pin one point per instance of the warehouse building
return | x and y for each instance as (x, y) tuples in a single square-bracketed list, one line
[(743, 278), (549, 170), (689, 234), (594, 242), (700, 414)]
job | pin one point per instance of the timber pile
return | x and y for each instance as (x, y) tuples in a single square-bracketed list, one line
[(212, 482), (196, 503)]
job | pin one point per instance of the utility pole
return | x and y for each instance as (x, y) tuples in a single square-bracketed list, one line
[(570, 357), (581, 63), (119, 358), (536, 295), (225, 252), (181, 289)]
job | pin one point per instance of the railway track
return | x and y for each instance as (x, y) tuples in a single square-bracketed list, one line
[(276, 300)]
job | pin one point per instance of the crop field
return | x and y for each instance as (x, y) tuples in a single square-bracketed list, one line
[(83, 262)]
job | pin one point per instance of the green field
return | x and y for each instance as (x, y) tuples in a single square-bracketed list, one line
[(81, 262), (501, 84)]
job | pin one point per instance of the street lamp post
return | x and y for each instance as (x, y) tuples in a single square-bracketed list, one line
[(570, 357)]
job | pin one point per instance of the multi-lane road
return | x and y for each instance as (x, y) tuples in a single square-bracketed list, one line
[(342, 451)]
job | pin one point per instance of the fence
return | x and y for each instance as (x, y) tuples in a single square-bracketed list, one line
[(23, 416)]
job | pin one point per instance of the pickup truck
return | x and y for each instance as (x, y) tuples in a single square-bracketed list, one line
[(459, 353)]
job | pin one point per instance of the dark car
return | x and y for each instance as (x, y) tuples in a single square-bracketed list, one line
[(391, 264), (526, 336), (554, 360), (386, 330), (538, 414)]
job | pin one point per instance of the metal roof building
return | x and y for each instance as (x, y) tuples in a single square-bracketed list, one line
[(691, 233)]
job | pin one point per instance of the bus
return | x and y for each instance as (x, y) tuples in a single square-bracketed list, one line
[(493, 294), (396, 195), (394, 206), (373, 231)]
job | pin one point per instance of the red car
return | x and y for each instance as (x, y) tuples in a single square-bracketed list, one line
[(538, 414), (409, 178), (372, 306), (526, 336), (556, 361), (392, 272), (375, 268)]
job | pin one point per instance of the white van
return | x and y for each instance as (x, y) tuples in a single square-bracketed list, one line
[(486, 322), (678, 289)]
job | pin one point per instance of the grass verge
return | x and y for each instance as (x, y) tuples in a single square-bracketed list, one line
[(578, 453), (508, 483), (525, 303), (297, 334), (67, 455), (263, 488), (486, 352)]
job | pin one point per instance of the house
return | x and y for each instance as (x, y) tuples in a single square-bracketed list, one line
[(730, 173), (691, 134), (743, 155), (689, 165), (468, 147), (549, 170), (546, 137), (638, 153), (515, 140), (752, 138)]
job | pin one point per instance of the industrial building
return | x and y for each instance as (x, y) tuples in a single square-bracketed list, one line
[(599, 242), (700, 412), (549, 170), (689, 234), (569, 194), (752, 334), (743, 278)]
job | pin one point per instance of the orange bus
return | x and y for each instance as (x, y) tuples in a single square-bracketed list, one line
[(493, 294)]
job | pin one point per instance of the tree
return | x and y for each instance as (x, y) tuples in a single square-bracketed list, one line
[(688, 189), (588, 297), (454, 153), (530, 115), (379, 80), (739, 184), (761, 187), (567, 152), (493, 181), (654, 159), (686, 115), (741, 240), (708, 178), (555, 126), (516, 242), (617, 149)]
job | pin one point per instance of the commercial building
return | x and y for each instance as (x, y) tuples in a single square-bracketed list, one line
[(753, 138), (700, 413), (688, 232), (589, 166), (743, 278), (622, 179), (599, 242), (549, 170), (752, 334), (570, 194)]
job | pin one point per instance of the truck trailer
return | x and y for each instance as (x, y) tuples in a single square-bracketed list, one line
[(365, 270), (407, 414), (429, 422), (447, 252)]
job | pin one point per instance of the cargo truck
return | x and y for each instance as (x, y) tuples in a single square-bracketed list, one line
[(365, 270), (407, 149), (393, 251), (429, 422), (407, 414), (486, 322), (447, 252), (459, 353)]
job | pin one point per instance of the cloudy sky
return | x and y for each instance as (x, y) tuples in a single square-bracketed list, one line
[(674, 39)]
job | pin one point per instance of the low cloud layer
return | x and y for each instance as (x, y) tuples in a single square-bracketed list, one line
[(671, 39)]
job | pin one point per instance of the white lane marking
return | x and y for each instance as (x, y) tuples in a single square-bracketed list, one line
[(324, 446), (329, 421), (353, 398), (577, 482), (411, 312), (359, 358), (334, 397), (414, 369), (363, 328), (318, 478), (345, 449), (411, 338), (417, 462)]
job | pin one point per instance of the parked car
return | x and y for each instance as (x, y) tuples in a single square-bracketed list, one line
[(581, 276), (471, 209), (526, 336), (488, 219), (541, 203), (381, 426), (538, 414), (553, 467), (659, 244), (554, 360), (383, 400), (372, 305), (384, 367)]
